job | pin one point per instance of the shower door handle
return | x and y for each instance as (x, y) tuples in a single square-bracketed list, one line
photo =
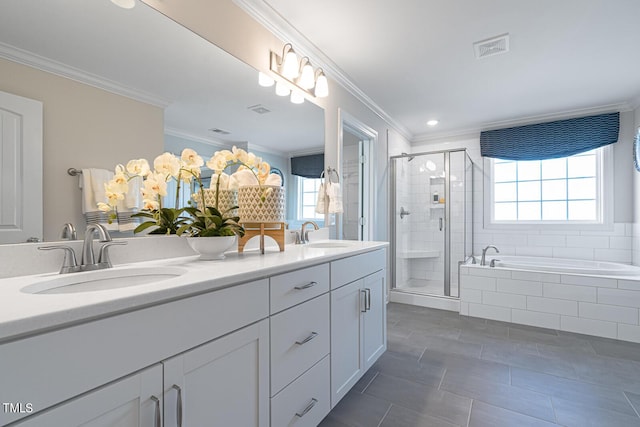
[(441, 222)]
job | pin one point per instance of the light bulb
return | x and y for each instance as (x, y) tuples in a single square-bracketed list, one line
[(322, 86), (290, 65), (125, 4), (432, 122), (306, 78), (282, 89), (296, 97), (264, 80)]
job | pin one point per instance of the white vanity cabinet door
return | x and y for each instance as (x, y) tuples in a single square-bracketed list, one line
[(346, 339), (358, 331), (134, 401), (375, 318), (222, 383)]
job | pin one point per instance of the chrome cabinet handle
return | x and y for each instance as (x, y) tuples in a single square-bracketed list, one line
[(307, 286), (157, 422), (368, 293), (307, 339), (440, 224), (178, 405), (308, 408), (364, 293)]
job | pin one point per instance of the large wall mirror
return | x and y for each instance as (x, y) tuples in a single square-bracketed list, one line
[(210, 99)]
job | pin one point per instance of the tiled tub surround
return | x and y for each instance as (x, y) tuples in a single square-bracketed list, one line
[(605, 306)]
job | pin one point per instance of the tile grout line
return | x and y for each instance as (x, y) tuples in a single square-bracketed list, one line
[(632, 407), (369, 383), (442, 379), (470, 409), (385, 415)]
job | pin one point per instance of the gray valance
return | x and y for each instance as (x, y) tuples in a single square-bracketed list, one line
[(308, 166), (551, 140)]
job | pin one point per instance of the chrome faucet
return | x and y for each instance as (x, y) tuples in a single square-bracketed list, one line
[(69, 232), (303, 236), (88, 260), (483, 261)]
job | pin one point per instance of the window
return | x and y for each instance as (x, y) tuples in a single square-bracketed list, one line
[(308, 197), (560, 190)]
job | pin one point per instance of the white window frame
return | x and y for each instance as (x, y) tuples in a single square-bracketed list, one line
[(604, 201), (299, 204)]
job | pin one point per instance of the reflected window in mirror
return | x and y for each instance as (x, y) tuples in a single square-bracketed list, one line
[(308, 197)]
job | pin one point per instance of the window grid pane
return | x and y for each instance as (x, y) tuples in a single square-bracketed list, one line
[(307, 198), (563, 189)]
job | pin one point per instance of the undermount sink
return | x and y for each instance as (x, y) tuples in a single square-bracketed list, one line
[(100, 280), (329, 244)]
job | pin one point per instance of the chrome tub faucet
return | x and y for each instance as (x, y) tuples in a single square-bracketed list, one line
[(483, 260)]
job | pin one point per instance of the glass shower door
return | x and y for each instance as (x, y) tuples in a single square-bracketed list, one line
[(420, 228)]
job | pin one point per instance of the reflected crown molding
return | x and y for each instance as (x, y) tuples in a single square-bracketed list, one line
[(42, 63), (179, 133), (281, 28)]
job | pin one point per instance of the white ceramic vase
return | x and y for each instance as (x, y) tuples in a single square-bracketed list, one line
[(211, 248)]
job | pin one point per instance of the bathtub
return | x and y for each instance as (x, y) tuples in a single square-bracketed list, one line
[(585, 297), (563, 265)]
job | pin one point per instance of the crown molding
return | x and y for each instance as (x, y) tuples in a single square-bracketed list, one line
[(568, 114), (266, 150), (307, 152), (179, 133), (269, 18), (42, 63)]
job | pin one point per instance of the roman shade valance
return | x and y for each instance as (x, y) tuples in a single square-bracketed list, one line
[(310, 166), (551, 140)]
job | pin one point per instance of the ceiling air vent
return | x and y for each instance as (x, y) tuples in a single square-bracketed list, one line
[(493, 46), (219, 131), (259, 108)]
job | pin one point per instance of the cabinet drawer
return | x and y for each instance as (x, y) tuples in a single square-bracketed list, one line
[(299, 338), (298, 286), (347, 270), (308, 393)]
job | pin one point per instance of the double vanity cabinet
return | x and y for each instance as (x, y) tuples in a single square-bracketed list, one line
[(279, 350)]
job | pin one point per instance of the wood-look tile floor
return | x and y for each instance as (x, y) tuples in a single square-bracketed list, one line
[(443, 369)]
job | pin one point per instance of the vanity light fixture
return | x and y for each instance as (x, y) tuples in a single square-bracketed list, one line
[(282, 89), (296, 97), (296, 75), (264, 80), (125, 4)]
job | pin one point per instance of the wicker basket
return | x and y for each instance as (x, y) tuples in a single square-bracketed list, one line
[(254, 209), (227, 200)]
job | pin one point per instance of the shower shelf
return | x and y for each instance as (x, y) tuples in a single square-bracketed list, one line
[(437, 205), (418, 254)]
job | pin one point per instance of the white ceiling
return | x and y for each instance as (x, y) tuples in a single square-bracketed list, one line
[(143, 54), (415, 58)]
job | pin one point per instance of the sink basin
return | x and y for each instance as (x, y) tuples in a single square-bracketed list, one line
[(329, 244), (100, 280)]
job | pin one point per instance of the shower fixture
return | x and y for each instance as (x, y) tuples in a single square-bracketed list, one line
[(409, 156)]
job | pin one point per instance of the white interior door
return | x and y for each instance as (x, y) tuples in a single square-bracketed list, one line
[(20, 169)]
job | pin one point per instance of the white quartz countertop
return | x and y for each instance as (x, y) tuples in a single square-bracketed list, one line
[(23, 314)]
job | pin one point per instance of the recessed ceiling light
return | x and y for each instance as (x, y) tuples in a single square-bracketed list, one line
[(432, 122), (125, 4)]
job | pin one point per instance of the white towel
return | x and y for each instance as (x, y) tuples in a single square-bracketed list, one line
[(274, 180), (245, 177), (130, 205), (320, 204), (92, 185), (224, 181), (334, 194)]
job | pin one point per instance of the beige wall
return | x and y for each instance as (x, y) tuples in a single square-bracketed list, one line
[(230, 28), (83, 127)]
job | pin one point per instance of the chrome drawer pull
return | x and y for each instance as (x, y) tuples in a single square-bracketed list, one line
[(178, 405), (307, 286), (157, 422), (308, 408), (307, 339)]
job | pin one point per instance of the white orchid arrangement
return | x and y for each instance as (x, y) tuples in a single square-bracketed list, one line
[(167, 167)]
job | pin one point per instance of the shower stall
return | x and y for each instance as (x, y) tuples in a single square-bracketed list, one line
[(432, 222)]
